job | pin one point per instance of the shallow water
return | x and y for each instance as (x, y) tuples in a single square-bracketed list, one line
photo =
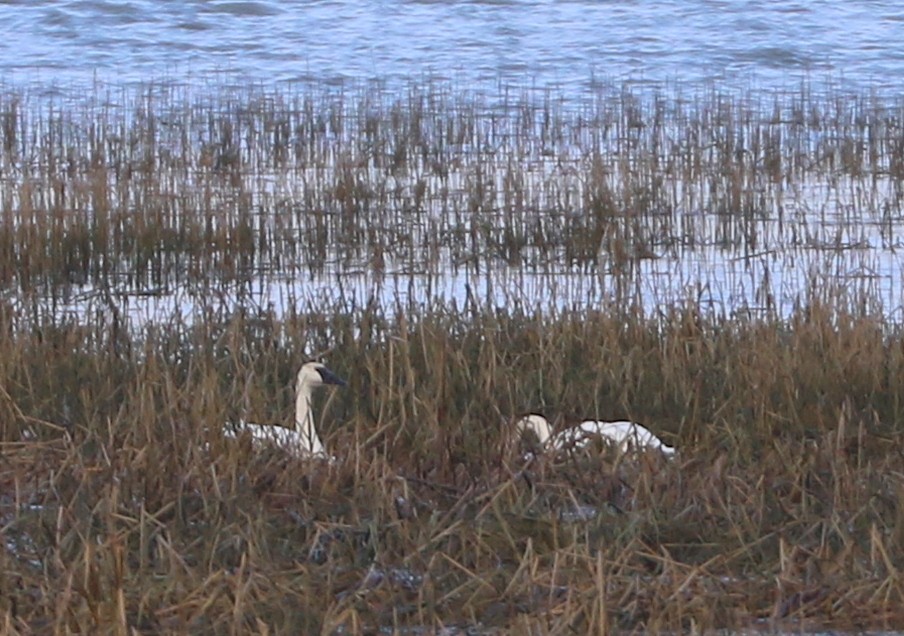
[(682, 47)]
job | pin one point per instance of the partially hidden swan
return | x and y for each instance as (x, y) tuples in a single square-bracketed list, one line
[(624, 434), (303, 439)]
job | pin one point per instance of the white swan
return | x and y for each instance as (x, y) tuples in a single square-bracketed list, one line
[(624, 434), (303, 439)]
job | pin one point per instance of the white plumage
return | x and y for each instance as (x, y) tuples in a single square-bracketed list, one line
[(303, 439), (625, 435)]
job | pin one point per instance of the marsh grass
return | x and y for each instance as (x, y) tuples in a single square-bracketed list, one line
[(143, 190), (123, 509), (781, 509)]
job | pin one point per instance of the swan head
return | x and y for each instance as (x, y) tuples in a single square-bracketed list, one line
[(312, 374), (536, 424)]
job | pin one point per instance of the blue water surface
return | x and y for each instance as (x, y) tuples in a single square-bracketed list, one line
[(562, 43)]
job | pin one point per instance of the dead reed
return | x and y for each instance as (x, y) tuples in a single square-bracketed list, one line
[(147, 190), (782, 509)]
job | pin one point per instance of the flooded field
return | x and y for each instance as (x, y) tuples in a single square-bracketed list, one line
[(721, 267), (741, 204)]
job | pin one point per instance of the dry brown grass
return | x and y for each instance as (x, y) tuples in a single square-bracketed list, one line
[(782, 508), (151, 188)]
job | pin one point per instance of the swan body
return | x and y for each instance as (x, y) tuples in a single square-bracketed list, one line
[(303, 439), (623, 434)]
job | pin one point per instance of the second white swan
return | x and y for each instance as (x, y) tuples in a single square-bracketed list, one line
[(624, 434)]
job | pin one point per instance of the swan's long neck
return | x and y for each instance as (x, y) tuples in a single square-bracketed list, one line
[(544, 432), (539, 425), (304, 420)]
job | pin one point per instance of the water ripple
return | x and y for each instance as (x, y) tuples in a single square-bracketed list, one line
[(479, 41)]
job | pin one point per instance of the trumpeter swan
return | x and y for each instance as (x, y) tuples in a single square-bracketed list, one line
[(622, 433), (303, 438)]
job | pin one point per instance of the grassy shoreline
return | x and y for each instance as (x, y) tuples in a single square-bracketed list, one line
[(782, 508), (123, 508)]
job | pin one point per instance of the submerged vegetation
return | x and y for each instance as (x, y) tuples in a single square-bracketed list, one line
[(124, 508)]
